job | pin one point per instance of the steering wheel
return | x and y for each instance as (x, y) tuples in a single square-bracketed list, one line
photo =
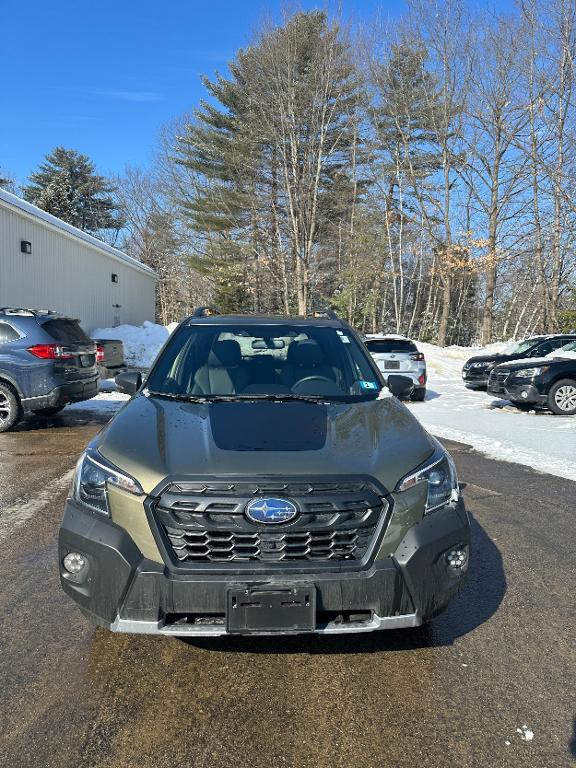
[(307, 386)]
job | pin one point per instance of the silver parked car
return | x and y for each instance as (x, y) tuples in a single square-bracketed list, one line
[(398, 354)]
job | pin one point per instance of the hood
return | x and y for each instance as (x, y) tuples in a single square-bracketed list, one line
[(153, 438), (489, 358), (527, 362), (558, 354)]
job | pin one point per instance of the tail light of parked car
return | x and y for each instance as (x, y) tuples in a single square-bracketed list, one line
[(417, 356), (49, 352), (99, 353)]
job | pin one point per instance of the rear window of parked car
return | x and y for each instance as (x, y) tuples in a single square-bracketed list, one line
[(383, 346), (66, 331), (7, 333)]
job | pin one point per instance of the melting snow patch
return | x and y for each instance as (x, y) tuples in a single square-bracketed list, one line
[(525, 733)]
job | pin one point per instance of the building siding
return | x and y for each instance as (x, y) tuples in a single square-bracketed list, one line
[(70, 276)]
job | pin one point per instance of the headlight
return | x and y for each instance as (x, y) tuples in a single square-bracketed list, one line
[(91, 481), (529, 372), (479, 365), (439, 473)]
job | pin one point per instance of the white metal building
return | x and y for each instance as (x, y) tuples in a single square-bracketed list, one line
[(48, 264)]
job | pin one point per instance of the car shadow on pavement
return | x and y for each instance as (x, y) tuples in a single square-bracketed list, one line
[(72, 418), (572, 745), (479, 599)]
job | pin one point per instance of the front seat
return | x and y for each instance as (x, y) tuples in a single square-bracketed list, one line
[(222, 374), (305, 358)]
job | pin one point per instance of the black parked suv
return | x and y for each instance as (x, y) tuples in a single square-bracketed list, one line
[(477, 369), (46, 361), (263, 480), (548, 382)]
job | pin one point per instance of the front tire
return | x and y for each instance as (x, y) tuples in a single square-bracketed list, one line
[(562, 397), (10, 409), (49, 411), (419, 395)]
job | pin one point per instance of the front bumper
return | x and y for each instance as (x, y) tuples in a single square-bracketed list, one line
[(517, 390), (125, 592), (70, 392), (475, 380)]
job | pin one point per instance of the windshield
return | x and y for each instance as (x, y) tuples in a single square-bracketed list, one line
[(517, 348), (251, 361)]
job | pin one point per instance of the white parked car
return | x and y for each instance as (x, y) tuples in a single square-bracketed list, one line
[(398, 354)]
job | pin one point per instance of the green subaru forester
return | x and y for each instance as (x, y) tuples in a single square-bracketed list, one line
[(263, 479)]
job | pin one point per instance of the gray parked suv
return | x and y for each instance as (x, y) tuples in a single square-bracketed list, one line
[(46, 361), (398, 354)]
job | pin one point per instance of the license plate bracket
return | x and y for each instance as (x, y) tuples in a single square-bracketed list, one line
[(392, 365), (271, 608)]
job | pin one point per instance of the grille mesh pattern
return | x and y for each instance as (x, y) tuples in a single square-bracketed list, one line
[(205, 522)]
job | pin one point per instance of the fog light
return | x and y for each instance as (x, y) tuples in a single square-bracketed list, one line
[(524, 394), (457, 558), (74, 562)]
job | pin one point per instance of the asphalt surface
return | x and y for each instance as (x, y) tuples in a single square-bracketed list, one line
[(503, 655)]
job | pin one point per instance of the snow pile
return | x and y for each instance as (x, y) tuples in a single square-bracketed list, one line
[(489, 424), (105, 402), (447, 362), (141, 343)]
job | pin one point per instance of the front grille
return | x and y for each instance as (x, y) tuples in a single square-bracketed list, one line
[(204, 522), (500, 375)]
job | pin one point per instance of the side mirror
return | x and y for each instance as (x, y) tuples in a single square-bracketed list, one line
[(400, 386), (128, 382)]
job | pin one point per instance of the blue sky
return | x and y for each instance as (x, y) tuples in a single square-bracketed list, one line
[(102, 77)]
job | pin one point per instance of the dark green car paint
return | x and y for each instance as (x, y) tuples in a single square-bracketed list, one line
[(154, 438)]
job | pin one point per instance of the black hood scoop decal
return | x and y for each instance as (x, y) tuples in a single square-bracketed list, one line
[(269, 426)]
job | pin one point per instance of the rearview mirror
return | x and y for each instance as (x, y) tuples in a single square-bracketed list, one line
[(400, 386), (128, 382)]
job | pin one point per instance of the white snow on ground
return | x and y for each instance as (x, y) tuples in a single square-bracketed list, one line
[(141, 343), (109, 402), (492, 426)]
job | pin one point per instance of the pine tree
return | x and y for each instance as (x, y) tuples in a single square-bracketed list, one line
[(67, 186), (272, 157)]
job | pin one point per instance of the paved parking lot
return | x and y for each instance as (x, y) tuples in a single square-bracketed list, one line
[(502, 657)]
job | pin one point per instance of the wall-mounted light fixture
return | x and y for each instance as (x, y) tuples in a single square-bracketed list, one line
[(25, 246), (114, 277)]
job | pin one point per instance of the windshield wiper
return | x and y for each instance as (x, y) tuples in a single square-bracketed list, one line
[(236, 398), (192, 398), (284, 396)]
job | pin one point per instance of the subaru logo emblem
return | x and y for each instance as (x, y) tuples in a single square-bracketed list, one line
[(271, 510)]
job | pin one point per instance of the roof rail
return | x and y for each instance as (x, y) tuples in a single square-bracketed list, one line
[(205, 312), (25, 312)]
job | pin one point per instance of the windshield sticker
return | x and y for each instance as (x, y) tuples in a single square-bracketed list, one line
[(368, 385), (343, 338)]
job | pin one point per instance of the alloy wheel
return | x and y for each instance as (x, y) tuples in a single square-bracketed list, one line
[(565, 397), (5, 409)]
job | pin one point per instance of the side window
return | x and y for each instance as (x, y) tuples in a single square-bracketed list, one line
[(548, 346), (7, 333), (558, 343)]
